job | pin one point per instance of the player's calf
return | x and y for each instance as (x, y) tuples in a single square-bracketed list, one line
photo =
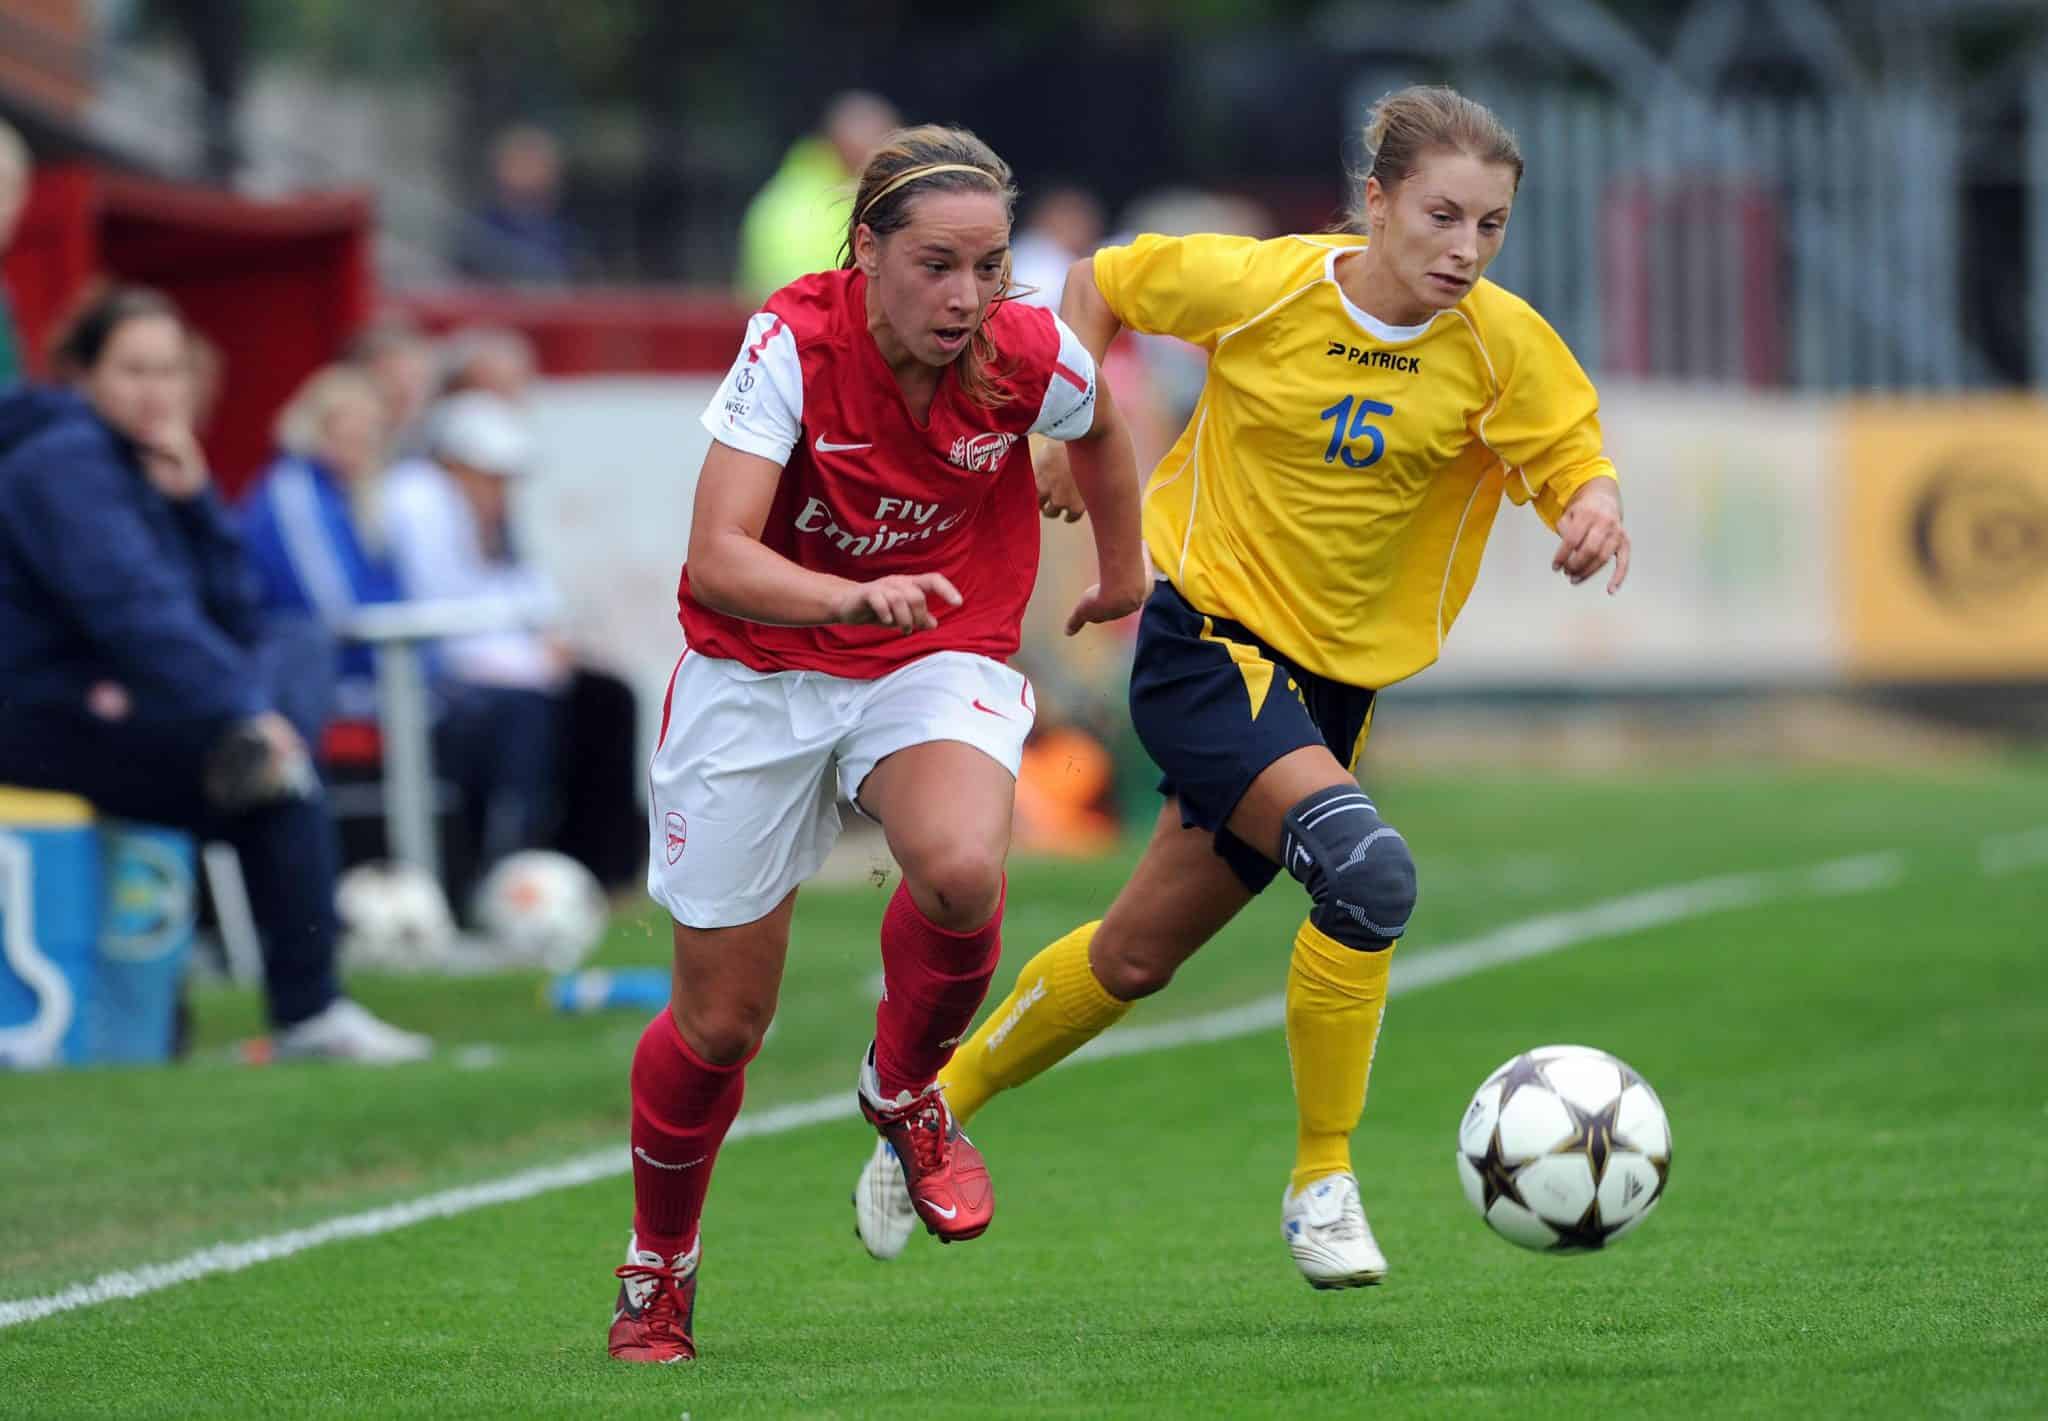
[(1361, 878)]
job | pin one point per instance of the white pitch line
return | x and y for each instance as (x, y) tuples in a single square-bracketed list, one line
[(2013, 853), (1514, 942), (1531, 937)]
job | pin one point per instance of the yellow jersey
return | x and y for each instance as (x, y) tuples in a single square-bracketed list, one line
[(1334, 488)]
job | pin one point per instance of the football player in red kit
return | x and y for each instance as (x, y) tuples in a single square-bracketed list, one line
[(864, 540)]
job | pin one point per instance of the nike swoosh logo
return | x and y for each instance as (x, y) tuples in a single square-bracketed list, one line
[(987, 710), (664, 1164), (826, 446), (938, 1209)]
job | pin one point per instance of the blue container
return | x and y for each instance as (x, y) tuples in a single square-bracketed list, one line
[(145, 939), (49, 927), (610, 989)]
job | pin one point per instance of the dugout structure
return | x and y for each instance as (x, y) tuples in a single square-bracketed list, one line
[(276, 288)]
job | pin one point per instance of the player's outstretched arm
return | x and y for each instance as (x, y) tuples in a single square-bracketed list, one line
[(1086, 310), (733, 572), (1105, 470), (1591, 533), (1088, 315)]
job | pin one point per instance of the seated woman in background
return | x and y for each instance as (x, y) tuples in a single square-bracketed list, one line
[(131, 665), (310, 532), (448, 519)]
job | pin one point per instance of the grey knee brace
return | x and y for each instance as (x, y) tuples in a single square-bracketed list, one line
[(1356, 867)]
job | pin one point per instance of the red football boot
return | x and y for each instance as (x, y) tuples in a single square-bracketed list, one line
[(656, 1301), (948, 1182)]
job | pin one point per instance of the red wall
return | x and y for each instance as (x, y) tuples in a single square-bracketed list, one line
[(597, 331), (277, 287)]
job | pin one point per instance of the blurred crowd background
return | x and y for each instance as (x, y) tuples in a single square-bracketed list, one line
[(626, 141), (450, 282)]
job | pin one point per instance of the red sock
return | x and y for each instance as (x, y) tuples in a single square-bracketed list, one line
[(934, 982), (682, 1107)]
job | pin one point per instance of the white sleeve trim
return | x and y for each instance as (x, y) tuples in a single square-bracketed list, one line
[(760, 404), (1068, 411)]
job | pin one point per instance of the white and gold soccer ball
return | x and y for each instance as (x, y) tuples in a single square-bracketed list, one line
[(542, 909), (1564, 1149)]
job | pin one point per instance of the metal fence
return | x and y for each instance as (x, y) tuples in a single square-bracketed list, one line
[(1814, 243)]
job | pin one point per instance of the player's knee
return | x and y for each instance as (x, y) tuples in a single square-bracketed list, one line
[(1371, 900), (1356, 867), (1127, 966), (723, 1033), (1128, 979), (959, 886)]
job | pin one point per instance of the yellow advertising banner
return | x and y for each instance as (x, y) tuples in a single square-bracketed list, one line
[(1945, 539)]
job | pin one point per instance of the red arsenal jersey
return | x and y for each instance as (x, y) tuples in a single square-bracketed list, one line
[(868, 491)]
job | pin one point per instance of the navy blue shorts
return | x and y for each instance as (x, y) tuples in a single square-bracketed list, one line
[(1215, 706)]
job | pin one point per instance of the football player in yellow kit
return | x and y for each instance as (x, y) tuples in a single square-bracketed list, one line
[(1315, 531)]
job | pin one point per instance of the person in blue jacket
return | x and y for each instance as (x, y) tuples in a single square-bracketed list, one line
[(131, 667), (316, 552)]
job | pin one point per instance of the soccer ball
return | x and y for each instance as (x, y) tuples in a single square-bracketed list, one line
[(1564, 1149), (394, 918), (543, 909)]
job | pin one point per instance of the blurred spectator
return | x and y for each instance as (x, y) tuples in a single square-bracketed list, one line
[(448, 519), (520, 236), (1066, 794), (1175, 369), (399, 360), (304, 527), (797, 223), (1061, 227), (130, 658), (15, 171), (494, 359), (1181, 212)]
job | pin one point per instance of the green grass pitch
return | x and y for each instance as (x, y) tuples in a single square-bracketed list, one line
[(1855, 1226)]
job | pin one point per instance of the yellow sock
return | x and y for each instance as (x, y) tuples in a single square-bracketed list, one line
[(1336, 996), (1056, 1007)]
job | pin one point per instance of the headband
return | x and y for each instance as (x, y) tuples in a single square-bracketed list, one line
[(911, 175)]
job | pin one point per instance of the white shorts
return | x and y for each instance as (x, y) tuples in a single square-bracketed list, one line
[(744, 790)]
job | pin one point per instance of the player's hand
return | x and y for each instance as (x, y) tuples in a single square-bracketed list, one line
[(1095, 606), (1590, 534), (1058, 495), (904, 602)]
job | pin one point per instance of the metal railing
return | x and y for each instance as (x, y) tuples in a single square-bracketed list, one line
[(1809, 242)]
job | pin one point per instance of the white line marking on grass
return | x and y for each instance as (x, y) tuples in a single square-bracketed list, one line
[(2013, 853), (1532, 937), (1515, 942), (234, 1257)]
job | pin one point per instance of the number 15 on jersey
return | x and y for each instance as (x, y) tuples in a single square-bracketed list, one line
[(1350, 425)]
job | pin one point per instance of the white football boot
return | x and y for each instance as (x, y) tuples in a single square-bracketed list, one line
[(346, 1031), (882, 1212), (1325, 1229)]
